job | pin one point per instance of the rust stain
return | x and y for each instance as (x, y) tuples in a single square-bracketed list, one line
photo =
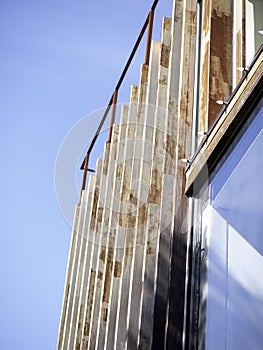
[(103, 254), (119, 171), (94, 208), (131, 220), (186, 107), (105, 314), (134, 94), (221, 46), (129, 250), (170, 146), (117, 269), (206, 17), (106, 159), (106, 216), (144, 79), (144, 75), (89, 303), (132, 199), (121, 218), (110, 254), (142, 214), (116, 133), (165, 55), (92, 223), (100, 275), (150, 250), (100, 214), (86, 328), (156, 186), (167, 24), (163, 80), (78, 341), (172, 107), (107, 282), (204, 89), (191, 21), (125, 190), (205, 74), (221, 60), (178, 11), (181, 152)]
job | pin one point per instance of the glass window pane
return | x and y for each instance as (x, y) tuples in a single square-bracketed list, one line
[(235, 247)]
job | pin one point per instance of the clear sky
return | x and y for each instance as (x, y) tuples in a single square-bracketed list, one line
[(59, 61)]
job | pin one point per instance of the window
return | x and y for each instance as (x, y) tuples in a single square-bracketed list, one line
[(254, 25), (227, 248)]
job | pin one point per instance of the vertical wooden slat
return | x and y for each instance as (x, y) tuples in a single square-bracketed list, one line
[(122, 173), (221, 67)]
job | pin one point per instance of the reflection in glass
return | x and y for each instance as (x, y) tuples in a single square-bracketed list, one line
[(235, 247)]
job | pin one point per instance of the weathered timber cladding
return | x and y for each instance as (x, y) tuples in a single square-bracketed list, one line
[(220, 73), (125, 284)]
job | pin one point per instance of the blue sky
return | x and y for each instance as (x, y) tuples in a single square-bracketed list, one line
[(60, 61)]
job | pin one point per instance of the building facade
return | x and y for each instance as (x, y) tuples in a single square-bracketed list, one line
[(166, 248)]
